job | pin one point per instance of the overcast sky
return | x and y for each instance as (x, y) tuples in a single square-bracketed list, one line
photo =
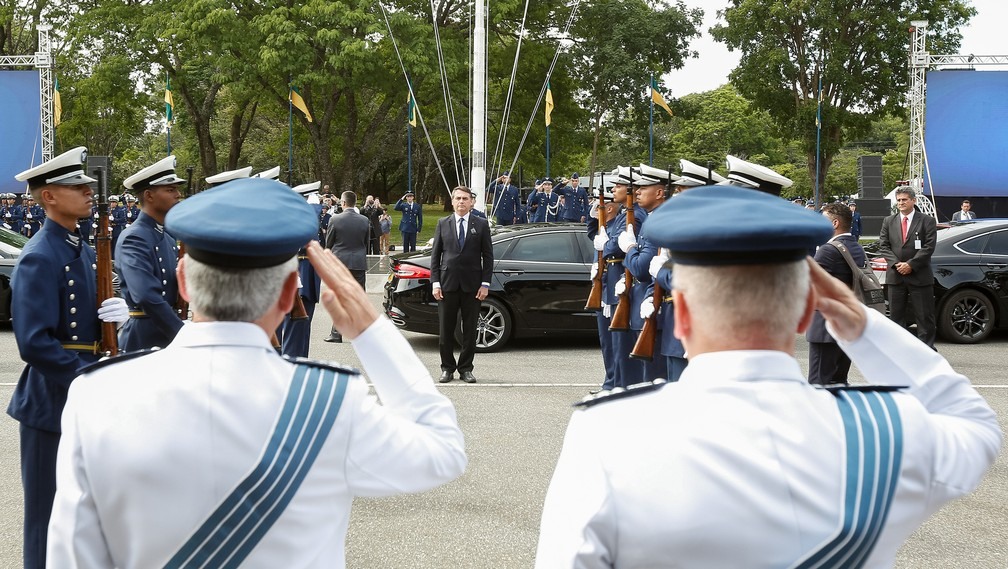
[(710, 70)]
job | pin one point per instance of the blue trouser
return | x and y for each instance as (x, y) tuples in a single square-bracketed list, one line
[(38, 478), (296, 334), (409, 241), (605, 341), (676, 366), (628, 371)]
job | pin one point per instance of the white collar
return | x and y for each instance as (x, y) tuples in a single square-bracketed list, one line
[(206, 334), (838, 236), (742, 365), (465, 217)]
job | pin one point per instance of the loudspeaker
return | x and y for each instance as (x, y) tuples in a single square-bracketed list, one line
[(869, 176)]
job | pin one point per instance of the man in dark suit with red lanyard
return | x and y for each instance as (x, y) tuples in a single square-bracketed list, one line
[(907, 242), (461, 266)]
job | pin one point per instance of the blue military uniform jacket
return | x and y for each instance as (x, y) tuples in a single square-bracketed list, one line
[(412, 216), (614, 255), (33, 218), (638, 261), (670, 345), (132, 214), (13, 217), (146, 259), (506, 202), (544, 207), (575, 206), (54, 293), (117, 222)]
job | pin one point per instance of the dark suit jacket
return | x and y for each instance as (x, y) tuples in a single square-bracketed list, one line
[(830, 259), (461, 270), (891, 247), (348, 238)]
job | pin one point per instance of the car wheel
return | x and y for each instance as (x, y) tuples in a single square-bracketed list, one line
[(966, 317), (493, 327)]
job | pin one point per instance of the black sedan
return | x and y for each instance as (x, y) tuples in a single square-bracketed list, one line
[(970, 265), (539, 287), (10, 247)]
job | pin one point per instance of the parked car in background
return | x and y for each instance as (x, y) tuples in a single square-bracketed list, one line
[(539, 286), (970, 266), (10, 247)]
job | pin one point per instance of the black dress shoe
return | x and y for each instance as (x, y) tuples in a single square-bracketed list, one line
[(468, 377), (446, 376), (334, 338)]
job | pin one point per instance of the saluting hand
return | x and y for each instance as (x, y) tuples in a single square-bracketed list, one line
[(838, 305), (343, 298)]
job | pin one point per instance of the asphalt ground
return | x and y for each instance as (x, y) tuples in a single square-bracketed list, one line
[(514, 419)]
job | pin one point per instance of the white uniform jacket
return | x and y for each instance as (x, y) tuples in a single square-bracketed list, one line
[(151, 446), (742, 463)]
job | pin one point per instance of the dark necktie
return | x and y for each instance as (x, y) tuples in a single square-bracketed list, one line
[(461, 232)]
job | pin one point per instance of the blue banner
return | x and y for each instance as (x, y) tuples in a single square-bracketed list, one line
[(966, 133), (20, 134)]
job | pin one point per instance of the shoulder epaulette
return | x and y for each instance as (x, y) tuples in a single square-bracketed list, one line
[(119, 358), (621, 393), (835, 388), (324, 364)]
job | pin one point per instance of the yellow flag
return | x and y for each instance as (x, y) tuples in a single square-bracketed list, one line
[(299, 103), (549, 104), (169, 103), (658, 99), (411, 106), (57, 104)]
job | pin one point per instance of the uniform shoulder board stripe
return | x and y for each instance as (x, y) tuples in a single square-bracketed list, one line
[(107, 361), (324, 365), (837, 387), (621, 393)]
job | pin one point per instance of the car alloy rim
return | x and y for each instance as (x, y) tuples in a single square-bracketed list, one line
[(970, 317), (490, 327)]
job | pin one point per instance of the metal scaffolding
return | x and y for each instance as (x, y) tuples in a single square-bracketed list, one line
[(920, 62), (42, 60)]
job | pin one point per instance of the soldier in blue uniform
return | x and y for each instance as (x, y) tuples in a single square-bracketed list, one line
[(604, 314), (411, 222), (575, 200), (117, 220), (651, 188), (56, 325), (14, 214), (147, 259), (295, 335), (506, 200), (34, 216), (132, 210), (545, 204)]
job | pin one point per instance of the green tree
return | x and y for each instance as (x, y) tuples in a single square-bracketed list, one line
[(857, 49)]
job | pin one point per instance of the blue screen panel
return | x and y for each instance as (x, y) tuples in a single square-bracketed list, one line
[(20, 135), (966, 133)]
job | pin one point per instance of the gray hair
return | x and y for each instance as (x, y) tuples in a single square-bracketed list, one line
[(745, 301), (234, 295)]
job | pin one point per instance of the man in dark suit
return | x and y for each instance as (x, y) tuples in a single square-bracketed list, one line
[(907, 242), (827, 362), (461, 266), (348, 236), (964, 214)]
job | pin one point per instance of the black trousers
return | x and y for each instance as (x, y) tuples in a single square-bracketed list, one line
[(360, 275), (38, 478), (452, 304), (827, 363), (922, 307), (409, 241)]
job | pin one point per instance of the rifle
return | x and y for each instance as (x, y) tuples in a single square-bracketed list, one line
[(595, 296), (181, 304), (621, 315), (644, 347), (103, 251)]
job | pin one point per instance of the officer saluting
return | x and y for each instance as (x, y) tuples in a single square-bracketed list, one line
[(56, 324), (411, 222), (742, 463), (147, 258)]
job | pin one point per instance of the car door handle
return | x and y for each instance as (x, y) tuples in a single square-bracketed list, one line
[(512, 273)]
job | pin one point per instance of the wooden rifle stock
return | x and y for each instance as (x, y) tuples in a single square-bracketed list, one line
[(298, 311), (595, 296), (644, 348), (103, 252), (621, 315)]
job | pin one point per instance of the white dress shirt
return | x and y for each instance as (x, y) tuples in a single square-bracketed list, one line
[(742, 463), (152, 445)]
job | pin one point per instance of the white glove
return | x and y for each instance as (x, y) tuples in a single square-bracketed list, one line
[(594, 271), (113, 310), (606, 310), (593, 212), (620, 287), (601, 239), (626, 239), (647, 308), (657, 262)]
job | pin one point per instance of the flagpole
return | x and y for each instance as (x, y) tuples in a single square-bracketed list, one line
[(816, 197), (409, 145), (290, 134), (651, 86), (547, 152)]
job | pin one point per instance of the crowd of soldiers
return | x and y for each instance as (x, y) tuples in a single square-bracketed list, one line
[(25, 218), (548, 202)]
